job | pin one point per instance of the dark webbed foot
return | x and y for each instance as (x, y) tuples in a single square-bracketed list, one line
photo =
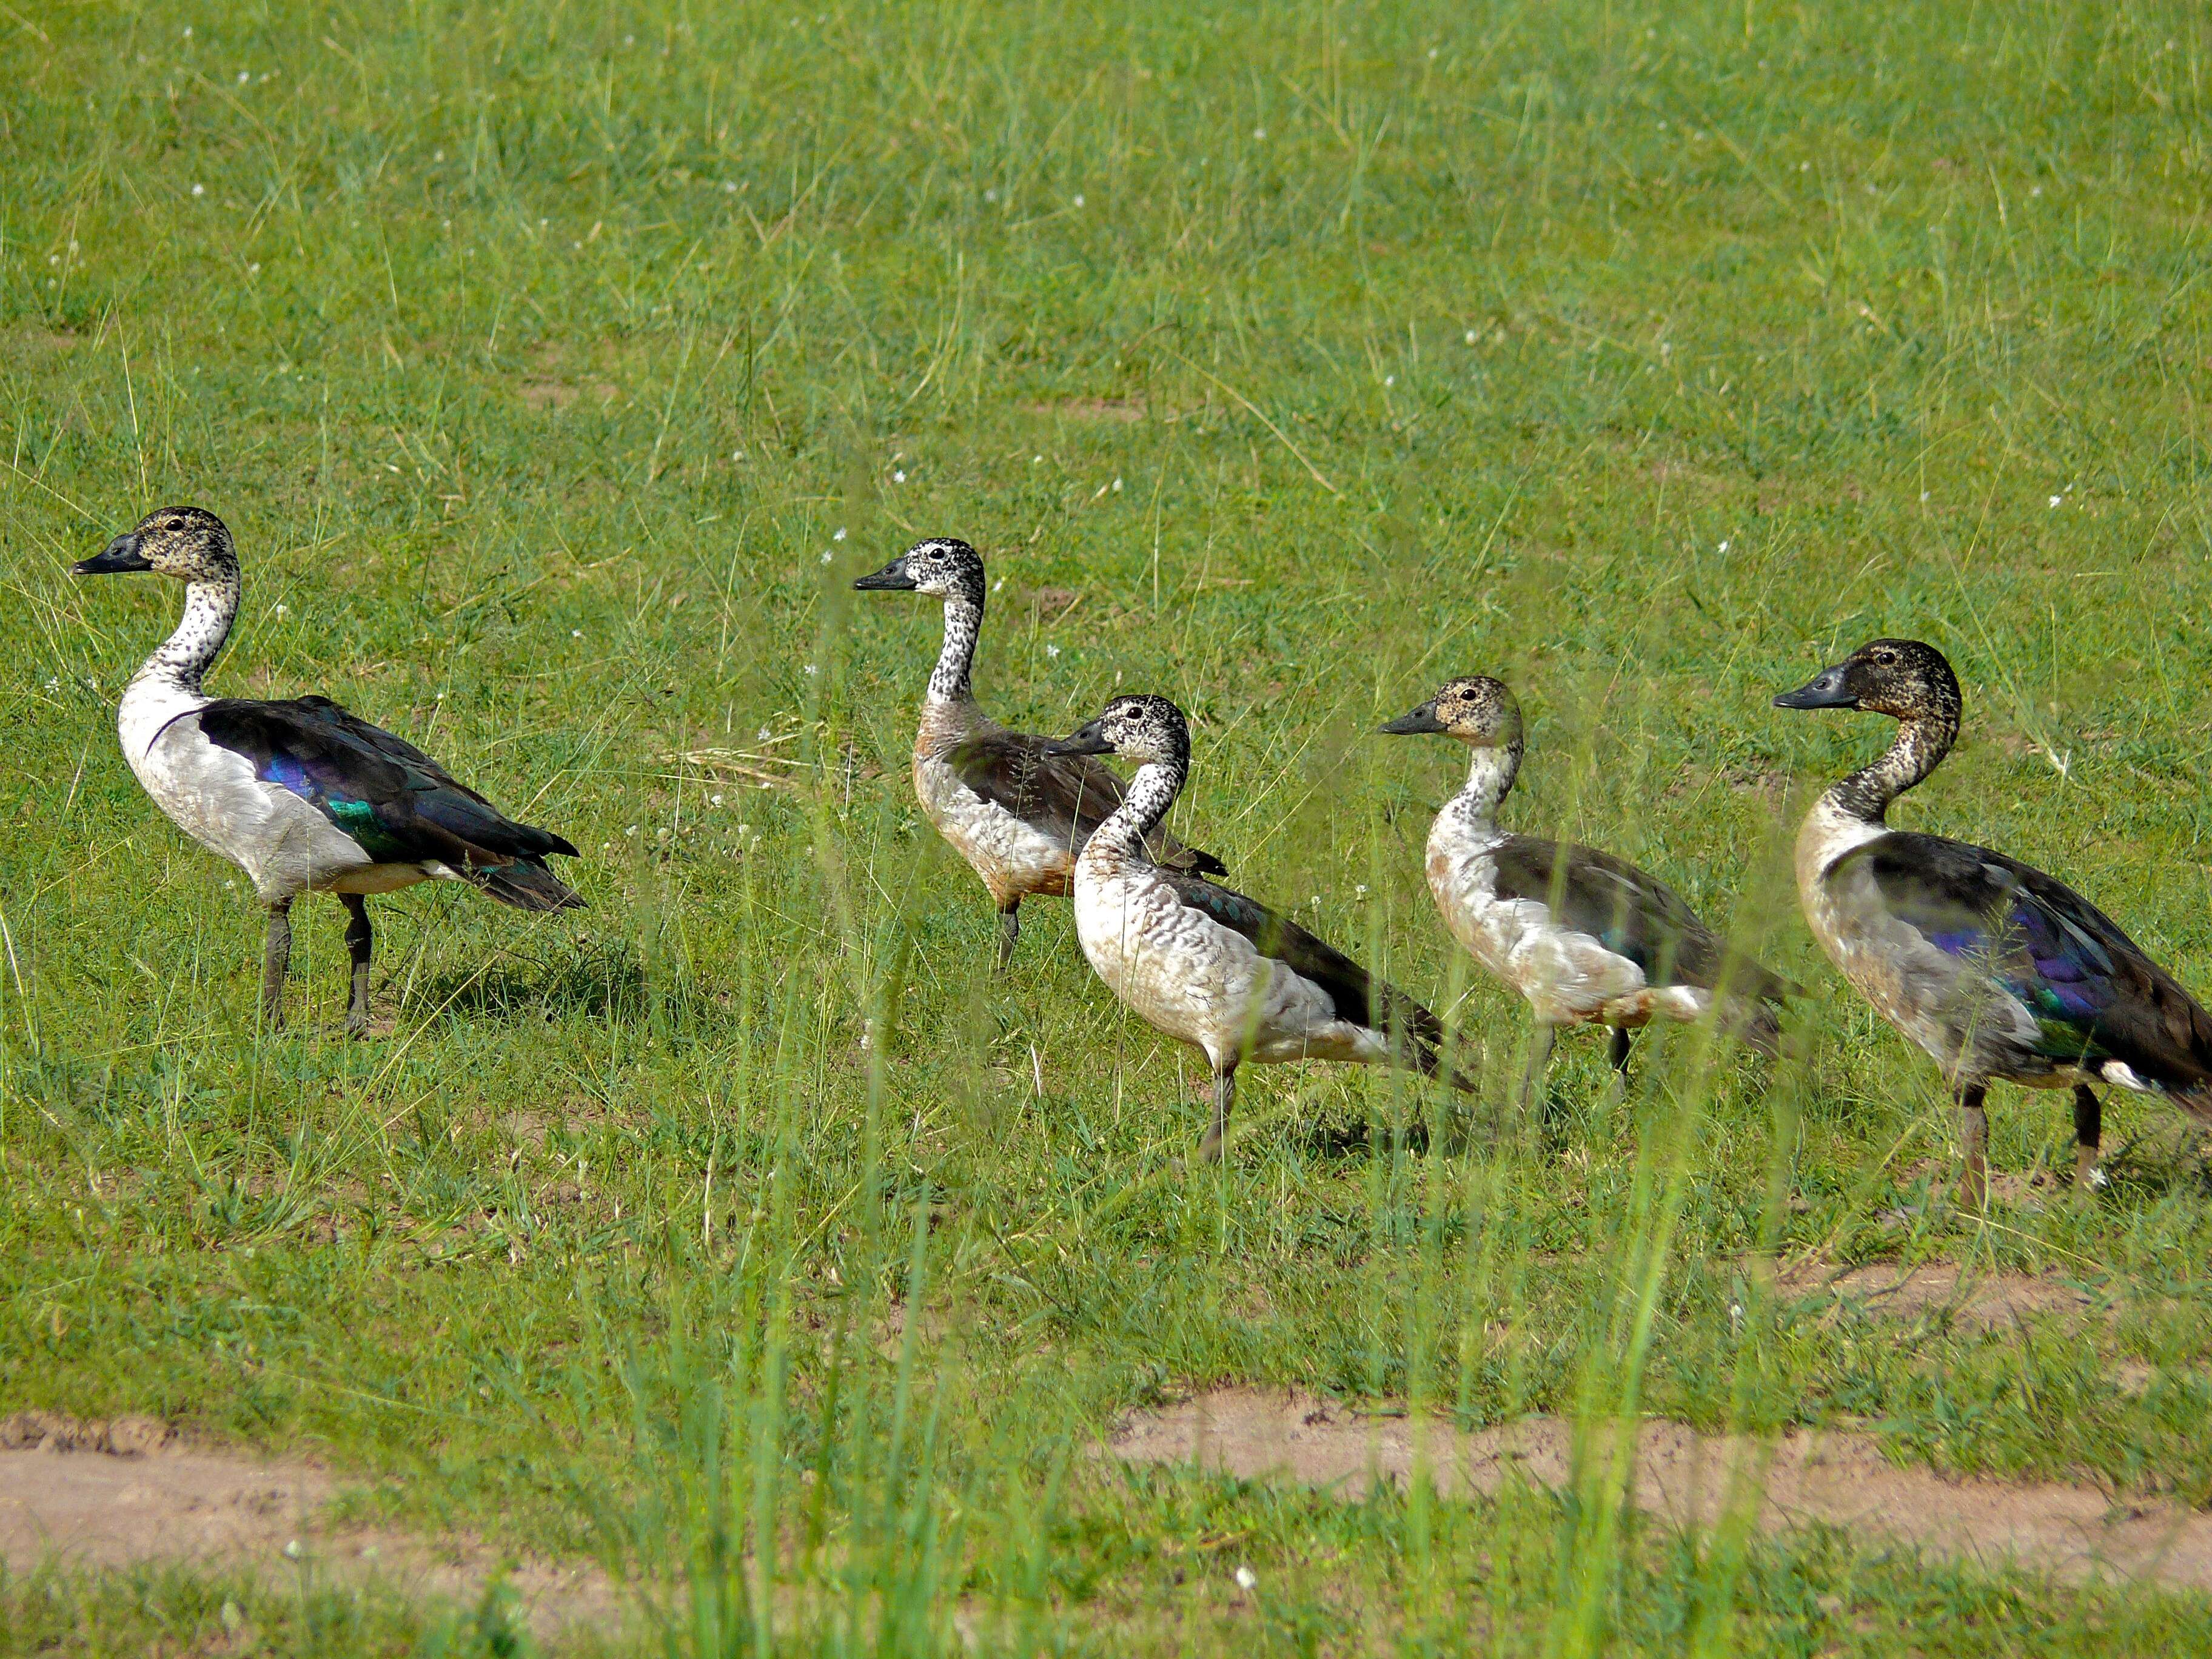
[(1010, 929), (276, 962), (360, 938)]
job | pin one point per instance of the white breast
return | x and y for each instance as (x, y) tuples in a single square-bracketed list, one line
[(1963, 1019), (1186, 975), (282, 842), (1013, 857), (1566, 975)]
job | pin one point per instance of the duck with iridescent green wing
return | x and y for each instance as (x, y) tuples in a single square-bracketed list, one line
[(1998, 972), (300, 794)]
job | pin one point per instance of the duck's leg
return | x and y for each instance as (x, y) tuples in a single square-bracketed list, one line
[(359, 937), (1224, 1095), (1540, 1062), (1010, 929), (2089, 1135), (1619, 1055), (1974, 1141), (276, 962)]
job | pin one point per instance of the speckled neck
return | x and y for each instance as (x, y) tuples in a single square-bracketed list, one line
[(1917, 750), (1490, 775), (1152, 791), (211, 606), (964, 622)]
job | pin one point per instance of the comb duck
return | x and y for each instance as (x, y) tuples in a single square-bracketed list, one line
[(1018, 813), (1998, 971), (1586, 938), (300, 794), (1209, 966)]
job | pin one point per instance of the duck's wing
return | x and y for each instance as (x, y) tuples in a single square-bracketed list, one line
[(2094, 996), (1629, 911), (400, 805), (1359, 997), (1065, 797)]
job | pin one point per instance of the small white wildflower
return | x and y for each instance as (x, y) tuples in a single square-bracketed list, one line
[(2056, 500), (1033, 459), (283, 610), (253, 270), (737, 454), (1258, 132), (898, 477), (1361, 892), (1470, 337), (631, 830), (761, 734), (575, 633), (811, 671), (1117, 485), (440, 697), (1246, 1578), (199, 190), (1433, 54), (990, 195), (661, 834), (1078, 201), (2036, 191), (292, 1550), (1052, 651), (1723, 548), (230, 887), (629, 40), (999, 583), (1736, 1316), (826, 557), (53, 258), (729, 187), (244, 76), (188, 31), (838, 535), (575, 247), (437, 155), (713, 801), (1924, 494)]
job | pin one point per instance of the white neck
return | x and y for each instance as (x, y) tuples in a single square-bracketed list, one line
[(964, 621), (183, 658), (1152, 791), (1490, 775)]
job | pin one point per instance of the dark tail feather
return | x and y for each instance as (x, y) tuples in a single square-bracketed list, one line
[(525, 886), (1755, 1024)]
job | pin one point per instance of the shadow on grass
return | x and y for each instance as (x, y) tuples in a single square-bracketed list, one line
[(599, 981)]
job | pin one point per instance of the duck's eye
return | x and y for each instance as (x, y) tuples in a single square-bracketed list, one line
[(1886, 659)]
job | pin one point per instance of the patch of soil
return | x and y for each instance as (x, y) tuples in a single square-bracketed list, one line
[(557, 395), (1972, 1299), (107, 1493), (1091, 408), (1690, 1478)]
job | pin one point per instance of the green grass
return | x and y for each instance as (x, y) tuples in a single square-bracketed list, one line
[(539, 357)]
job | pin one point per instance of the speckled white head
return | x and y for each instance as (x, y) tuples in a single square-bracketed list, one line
[(943, 566), (187, 543), (1477, 710), (1144, 729)]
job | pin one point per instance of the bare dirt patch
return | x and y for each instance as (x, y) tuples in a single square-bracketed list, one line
[(1691, 1479), (557, 395), (1972, 1299), (1091, 408), (107, 1493)]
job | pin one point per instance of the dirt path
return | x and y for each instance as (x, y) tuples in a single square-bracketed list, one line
[(1842, 1480), (109, 1493)]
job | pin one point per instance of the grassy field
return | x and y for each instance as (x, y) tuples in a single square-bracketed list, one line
[(556, 368)]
